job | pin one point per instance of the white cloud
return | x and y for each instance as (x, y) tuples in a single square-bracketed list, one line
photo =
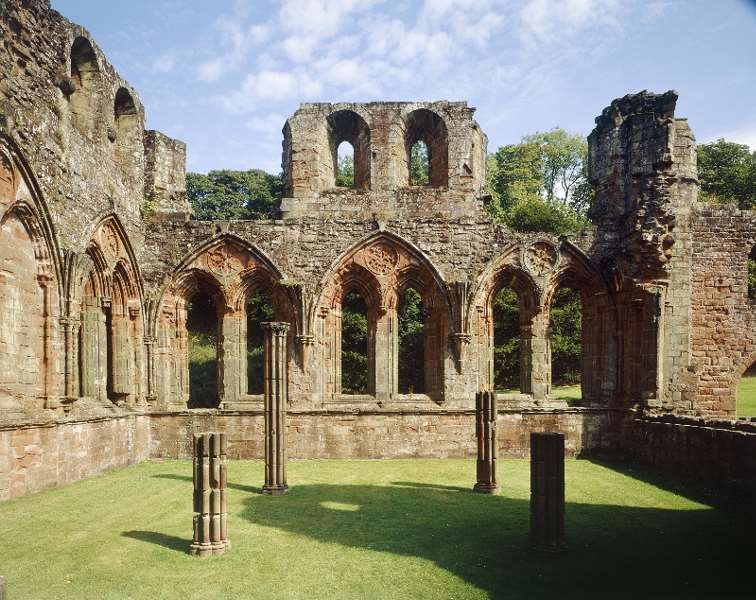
[(547, 19), (165, 63), (745, 134), (269, 85)]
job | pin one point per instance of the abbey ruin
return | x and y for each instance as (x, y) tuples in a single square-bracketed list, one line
[(94, 289)]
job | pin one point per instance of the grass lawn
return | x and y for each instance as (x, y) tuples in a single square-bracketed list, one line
[(399, 529), (572, 394), (747, 396)]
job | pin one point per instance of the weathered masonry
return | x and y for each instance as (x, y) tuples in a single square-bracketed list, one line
[(99, 263)]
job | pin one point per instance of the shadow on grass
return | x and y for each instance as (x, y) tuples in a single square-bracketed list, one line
[(729, 498), (234, 486), (153, 537), (613, 551)]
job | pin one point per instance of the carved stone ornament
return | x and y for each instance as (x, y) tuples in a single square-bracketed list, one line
[(540, 258), (381, 258), (110, 243), (222, 262)]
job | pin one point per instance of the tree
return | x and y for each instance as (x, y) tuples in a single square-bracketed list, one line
[(411, 320), (230, 194), (345, 174), (727, 173), (354, 345), (541, 184), (419, 166)]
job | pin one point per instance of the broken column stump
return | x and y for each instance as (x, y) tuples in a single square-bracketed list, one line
[(485, 432), (276, 397), (547, 491), (210, 501)]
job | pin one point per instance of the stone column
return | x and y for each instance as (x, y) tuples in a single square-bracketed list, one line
[(276, 397), (485, 432), (547, 490), (210, 495)]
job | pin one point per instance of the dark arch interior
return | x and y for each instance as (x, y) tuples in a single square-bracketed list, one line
[(259, 310), (566, 340), (354, 344), (411, 317), (202, 334), (426, 126), (506, 337), (348, 126), (83, 62)]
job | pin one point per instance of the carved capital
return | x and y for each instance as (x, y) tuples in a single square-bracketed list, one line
[(278, 327)]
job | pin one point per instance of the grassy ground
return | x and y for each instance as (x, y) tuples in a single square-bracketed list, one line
[(572, 394), (747, 396), (373, 529)]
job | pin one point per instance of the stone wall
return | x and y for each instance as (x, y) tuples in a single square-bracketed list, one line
[(37, 457), (724, 318), (721, 454), (387, 434)]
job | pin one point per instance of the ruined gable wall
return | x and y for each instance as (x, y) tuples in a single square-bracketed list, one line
[(88, 162)]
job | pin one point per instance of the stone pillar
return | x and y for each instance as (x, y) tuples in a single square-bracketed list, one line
[(485, 432), (547, 490), (276, 397), (540, 355), (210, 495)]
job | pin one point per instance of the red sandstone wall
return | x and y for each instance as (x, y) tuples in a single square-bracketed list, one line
[(718, 453), (724, 320), (385, 435), (33, 458)]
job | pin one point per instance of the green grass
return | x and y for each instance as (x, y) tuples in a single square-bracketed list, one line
[(400, 529), (572, 394), (747, 396)]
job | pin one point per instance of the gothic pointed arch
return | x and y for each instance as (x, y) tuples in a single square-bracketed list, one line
[(30, 286), (230, 271), (380, 267)]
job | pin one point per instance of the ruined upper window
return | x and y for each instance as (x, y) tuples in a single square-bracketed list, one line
[(84, 75), (348, 126), (126, 126), (425, 126)]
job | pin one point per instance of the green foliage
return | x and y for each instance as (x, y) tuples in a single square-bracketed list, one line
[(354, 345), (259, 310), (541, 183), (506, 339), (345, 174), (541, 215), (149, 206), (229, 194), (419, 164), (411, 341), (727, 173), (566, 335)]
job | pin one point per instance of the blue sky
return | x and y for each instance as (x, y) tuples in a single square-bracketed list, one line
[(224, 75)]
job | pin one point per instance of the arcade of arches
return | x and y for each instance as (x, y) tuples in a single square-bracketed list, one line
[(125, 325)]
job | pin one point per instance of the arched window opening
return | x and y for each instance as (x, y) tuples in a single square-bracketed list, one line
[(506, 339), (84, 73), (126, 124), (411, 317), (746, 393), (566, 342), (425, 126), (348, 126), (752, 275), (419, 167), (345, 165), (202, 333), (354, 344), (259, 310)]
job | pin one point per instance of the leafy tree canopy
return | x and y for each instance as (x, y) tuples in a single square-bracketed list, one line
[(230, 194), (541, 184), (727, 173)]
